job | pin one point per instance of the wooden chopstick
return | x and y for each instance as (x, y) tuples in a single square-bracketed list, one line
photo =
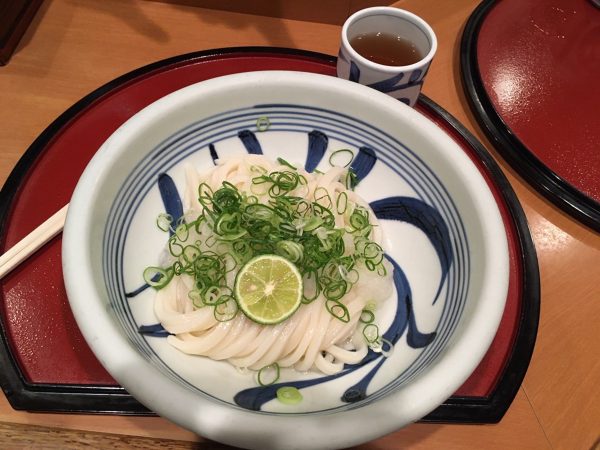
[(33, 241)]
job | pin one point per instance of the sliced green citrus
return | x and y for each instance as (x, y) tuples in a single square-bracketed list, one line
[(268, 289)]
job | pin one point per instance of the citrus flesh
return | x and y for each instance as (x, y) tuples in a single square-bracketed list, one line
[(268, 289)]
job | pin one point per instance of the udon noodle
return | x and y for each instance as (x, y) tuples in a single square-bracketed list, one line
[(312, 338)]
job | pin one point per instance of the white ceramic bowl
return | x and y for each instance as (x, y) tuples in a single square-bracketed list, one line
[(442, 226)]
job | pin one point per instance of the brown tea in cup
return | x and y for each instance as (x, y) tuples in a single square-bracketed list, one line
[(386, 49)]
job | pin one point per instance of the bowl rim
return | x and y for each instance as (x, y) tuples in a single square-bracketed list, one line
[(93, 317)]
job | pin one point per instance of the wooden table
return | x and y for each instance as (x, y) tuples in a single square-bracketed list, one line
[(74, 46)]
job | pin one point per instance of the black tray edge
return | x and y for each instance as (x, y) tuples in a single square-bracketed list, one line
[(23, 395)]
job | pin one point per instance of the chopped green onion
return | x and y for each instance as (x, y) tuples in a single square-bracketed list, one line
[(311, 286), (205, 194), (283, 162), (157, 277), (268, 375), (226, 308), (335, 290), (373, 250), (371, 333), (341, 154), (190, 253), (283, 182), (164, 221), (338, 310), (370, 306), (289, 395), (258, 169), (290, 250), (312, 224), (263, 123), (366, 316), (359, 218), (352, 276), (351, 180), (210, 295), (341, 203), (211, 241), (234, 226), (379, 346), (175, 247), (179, 268), (322, 197)]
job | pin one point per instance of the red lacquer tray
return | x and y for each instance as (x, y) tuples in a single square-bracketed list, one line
[(47, 365), (530, 70)]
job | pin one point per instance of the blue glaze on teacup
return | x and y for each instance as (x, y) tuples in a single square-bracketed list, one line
[(395, 85)]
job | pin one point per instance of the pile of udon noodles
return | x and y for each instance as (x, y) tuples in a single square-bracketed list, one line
[(311, 339)]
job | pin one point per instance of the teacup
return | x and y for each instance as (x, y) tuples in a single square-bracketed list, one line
[(401, 80)]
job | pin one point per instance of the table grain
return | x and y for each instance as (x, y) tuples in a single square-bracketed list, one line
[(75, 46)]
